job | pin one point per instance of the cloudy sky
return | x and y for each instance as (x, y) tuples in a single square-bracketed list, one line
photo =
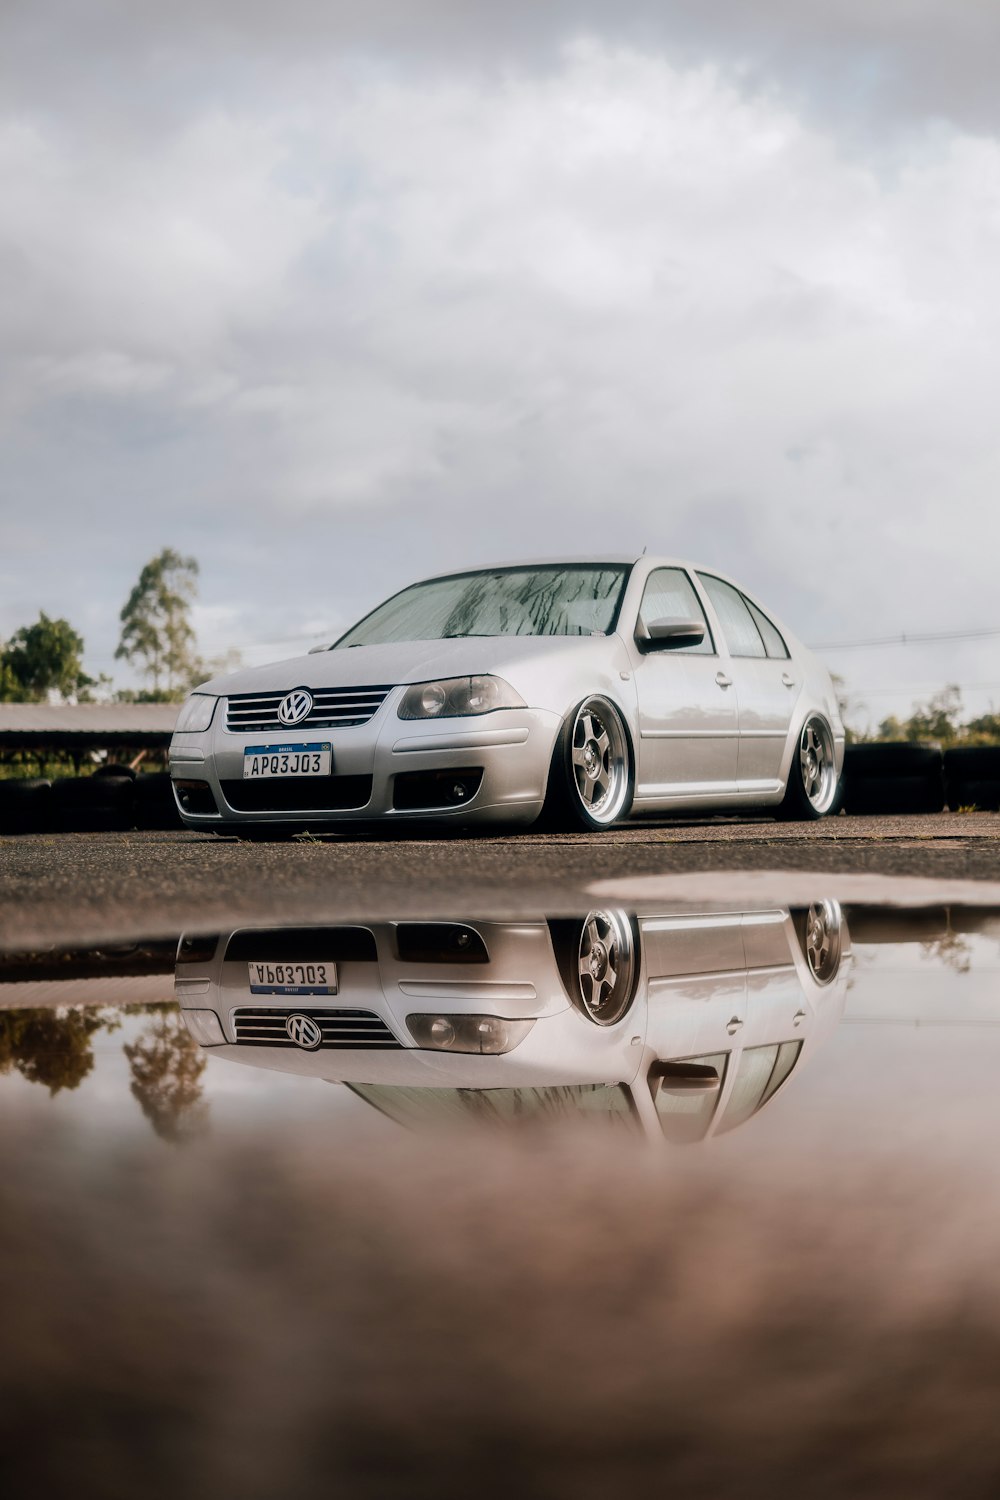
[(333, 295)]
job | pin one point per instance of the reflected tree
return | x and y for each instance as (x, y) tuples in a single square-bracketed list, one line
[(167, 1068), (50, 1047)]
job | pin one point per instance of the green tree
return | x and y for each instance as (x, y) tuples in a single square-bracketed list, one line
[(157, 636), (166, 1067), (983, 731), (50, 1047), (40, 659), (937, 719)]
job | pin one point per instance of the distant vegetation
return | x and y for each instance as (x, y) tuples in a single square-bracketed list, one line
[(939, 719), (45, 660)]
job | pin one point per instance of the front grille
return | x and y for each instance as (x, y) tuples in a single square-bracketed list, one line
[(347, 1030), (298, 793), (333, 708)]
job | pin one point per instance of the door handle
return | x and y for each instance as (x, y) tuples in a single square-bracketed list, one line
[(723, 680), (734, 1025), (788, 681), (799, 1015)]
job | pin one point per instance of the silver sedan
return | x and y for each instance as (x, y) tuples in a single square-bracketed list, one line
[(582, 693)]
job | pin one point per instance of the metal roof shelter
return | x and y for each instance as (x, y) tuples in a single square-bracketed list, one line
[(86, 726)]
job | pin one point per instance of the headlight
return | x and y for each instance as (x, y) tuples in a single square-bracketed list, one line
[(196, 714), (488, 1035), (457, 697)]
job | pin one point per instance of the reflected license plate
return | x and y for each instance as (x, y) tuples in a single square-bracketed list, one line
[(293, 979), (288, 760)]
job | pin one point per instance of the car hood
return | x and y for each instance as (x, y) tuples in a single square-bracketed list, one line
[(511, 657)]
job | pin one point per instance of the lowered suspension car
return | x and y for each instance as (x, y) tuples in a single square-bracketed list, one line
[(585, 691)]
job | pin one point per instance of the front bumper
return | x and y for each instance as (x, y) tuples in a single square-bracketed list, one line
[(512, 747)]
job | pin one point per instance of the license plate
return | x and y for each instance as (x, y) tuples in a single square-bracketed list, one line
[(293, 979), (288, 760)]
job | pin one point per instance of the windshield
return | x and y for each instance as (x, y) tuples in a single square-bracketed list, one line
[(576, 599), (434, 1106)]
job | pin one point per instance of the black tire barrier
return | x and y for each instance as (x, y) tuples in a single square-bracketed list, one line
[(887, 924), (112, 768), (92, 804), (972, 777), (25, 805), (154, 803), (893, 778)]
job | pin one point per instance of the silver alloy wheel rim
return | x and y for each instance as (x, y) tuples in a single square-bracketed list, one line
[(817, 766), (605, 966), (600, 760), (823, 940)]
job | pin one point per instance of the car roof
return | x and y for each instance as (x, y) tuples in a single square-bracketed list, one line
[(611, 559)]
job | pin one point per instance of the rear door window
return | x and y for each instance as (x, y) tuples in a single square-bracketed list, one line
[(774, 644), (742, 636)]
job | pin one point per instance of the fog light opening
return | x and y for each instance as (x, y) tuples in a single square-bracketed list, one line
[(195, 797)]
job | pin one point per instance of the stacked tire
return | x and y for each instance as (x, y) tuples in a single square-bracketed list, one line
[(972, 777), (104, 802), (25, 805), (155, 805), (893, 777)]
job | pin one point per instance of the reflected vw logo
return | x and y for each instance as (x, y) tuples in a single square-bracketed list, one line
[(296, 706), (304, 1032)]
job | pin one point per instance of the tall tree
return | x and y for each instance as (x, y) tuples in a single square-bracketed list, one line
[(40, 659), (166, 1067), (157, 636)]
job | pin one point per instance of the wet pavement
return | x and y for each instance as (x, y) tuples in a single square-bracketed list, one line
[(117, 886), (432, 1187)]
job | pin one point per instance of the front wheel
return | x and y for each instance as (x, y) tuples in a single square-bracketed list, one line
[(591, 781), (813, 789)]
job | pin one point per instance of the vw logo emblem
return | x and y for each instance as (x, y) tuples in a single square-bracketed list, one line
[(296, 706), (304, 1032)]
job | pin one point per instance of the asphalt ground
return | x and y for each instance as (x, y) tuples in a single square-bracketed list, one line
[(113, 887)]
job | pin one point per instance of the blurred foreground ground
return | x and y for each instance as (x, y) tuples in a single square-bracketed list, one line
[(540, 1317)]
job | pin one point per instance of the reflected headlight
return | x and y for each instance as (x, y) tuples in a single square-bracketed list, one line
[(204, 1026), (196, 714), (489, 1035), (457, 697)]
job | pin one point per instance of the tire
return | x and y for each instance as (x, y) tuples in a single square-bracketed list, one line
[(92, 804), (813, 789), (893, 758), (972, 777), (820, 931), (155, 806), (592, 777), (893, 924), (598, 961), (893, 778), (25, 805)]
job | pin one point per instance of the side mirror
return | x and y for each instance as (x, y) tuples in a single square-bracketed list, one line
[(685, 1078), (668, 635)]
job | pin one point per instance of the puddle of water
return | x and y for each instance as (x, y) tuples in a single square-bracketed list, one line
[(674, 1027), (652, 1194)]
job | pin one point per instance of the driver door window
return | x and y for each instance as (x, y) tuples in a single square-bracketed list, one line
[(669, 595)]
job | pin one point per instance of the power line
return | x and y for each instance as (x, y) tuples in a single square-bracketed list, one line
[(906, 639)]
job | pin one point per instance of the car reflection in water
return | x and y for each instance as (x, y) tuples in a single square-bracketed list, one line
[(680, 1025)]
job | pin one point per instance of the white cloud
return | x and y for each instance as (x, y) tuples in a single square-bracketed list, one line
[(391, 320)]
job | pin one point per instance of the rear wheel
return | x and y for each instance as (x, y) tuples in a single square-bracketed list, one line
[(591, 781), (820, 933), (813, 789)]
